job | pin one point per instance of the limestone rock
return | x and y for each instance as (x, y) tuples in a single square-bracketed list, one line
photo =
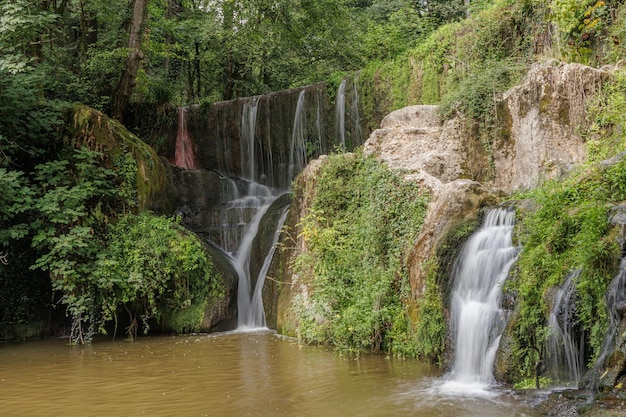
[(284, 284), (541, 119), (221, 313), (415, 141), (455, 203)]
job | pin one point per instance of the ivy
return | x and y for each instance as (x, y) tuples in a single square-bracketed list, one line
[(359, 228)]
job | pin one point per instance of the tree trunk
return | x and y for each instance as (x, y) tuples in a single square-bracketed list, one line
[(133, 62), (467, 8)]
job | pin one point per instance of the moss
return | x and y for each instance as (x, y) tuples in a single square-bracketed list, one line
[(92, 129), (566, 229)]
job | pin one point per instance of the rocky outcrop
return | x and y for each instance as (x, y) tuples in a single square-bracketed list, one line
[(541, 120), (221, 313), (538, 139), (284, 281), (416, 142), (253, 137)]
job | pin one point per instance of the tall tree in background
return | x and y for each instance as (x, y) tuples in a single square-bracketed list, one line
[(133, 62)]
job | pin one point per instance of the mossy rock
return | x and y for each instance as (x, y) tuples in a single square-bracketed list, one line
[(87, 127)]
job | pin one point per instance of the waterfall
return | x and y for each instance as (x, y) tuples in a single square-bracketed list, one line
[(615, 298), (253, 317), (297, 150), (354, 110), (318, 120), (238, 221), (245, 204), (477, 320), (340, 114), (565, 354), (250, 314), (247, 136), (184, 155)]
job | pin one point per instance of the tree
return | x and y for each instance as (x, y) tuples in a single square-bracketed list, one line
[(133, 62)]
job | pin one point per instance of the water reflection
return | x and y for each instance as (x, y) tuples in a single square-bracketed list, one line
[(253, 374)]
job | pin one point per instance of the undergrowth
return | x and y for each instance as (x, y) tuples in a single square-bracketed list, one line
[(358, 229), (568, 229)]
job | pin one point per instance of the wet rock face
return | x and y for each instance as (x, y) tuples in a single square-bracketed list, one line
[(612, 374), (262, 147), (221, 313), (541, 119)]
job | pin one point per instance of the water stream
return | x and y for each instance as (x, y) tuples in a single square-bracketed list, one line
[(565, 346), (615, 298), (297, 148), (477, 319), (356, 116), (340, 113)]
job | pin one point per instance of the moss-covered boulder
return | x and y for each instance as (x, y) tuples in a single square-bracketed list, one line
[(87, 127)]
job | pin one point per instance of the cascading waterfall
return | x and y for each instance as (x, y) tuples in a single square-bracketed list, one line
[(184, 155), (565, 346), (340, 113), (250, 305), (239, 222), (247, 201), (354, 110), (615, 298), (477, 320), (247, 137), (297, 149), (252, 315), (318, 119)]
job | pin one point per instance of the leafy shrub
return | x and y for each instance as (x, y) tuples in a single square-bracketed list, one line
[(568, 230), (358, 229), (154, 268)]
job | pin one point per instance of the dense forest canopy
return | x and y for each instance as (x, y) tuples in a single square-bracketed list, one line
[(192, 51)]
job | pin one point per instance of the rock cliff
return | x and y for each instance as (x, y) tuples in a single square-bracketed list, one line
[(538, 138)]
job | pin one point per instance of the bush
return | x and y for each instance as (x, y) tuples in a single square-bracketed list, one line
[(568, 230), (359, 228), (154, 269)]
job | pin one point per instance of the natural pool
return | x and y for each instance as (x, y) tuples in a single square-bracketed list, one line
[(237, 374)]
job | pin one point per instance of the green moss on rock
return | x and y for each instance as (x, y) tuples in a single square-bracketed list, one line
[(87, 127)]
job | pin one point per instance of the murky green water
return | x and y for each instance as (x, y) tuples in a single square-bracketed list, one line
[(234, 375)]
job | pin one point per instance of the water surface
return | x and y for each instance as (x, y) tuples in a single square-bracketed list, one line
[(244, 374)]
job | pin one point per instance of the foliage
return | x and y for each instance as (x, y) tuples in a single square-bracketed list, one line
[(20, 25), (29, 124), (607, 113), (477, 94), (431, 322), (463, 65), (531, 383), (74, 198), (568, 230), (16, 198), (583, 27), (155, 269), (358, 229)]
